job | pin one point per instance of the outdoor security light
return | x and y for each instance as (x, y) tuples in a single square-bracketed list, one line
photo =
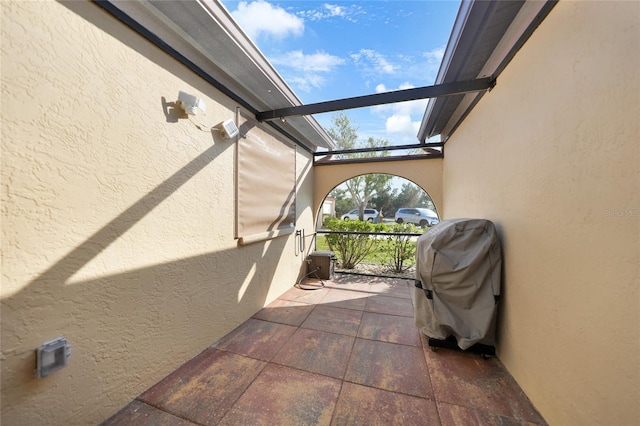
[(190, 103), (228, 129)]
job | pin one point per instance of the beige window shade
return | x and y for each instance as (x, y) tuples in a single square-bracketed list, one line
[(266, 185)]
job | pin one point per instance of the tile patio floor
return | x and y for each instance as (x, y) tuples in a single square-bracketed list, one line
[(346, 354)]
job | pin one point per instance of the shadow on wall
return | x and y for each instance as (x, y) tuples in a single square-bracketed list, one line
[(128, 329), (174, 309), (171, 111)]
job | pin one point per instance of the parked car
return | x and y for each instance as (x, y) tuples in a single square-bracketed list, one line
[(370, 215), (418, 216)]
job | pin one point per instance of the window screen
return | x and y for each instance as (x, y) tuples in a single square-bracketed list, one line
[(266, 183)]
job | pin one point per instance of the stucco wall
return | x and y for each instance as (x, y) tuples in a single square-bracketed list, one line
[(425, 173), (117, 216), (551, 155)]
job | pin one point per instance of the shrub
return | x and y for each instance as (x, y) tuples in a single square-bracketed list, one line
[(398, 249), (351, 249)]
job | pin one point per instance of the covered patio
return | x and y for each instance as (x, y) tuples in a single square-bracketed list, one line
[(348, 353), (127, 224)]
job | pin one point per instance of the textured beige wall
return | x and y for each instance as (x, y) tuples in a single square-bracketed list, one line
[(117, 216), (552, 156), (425, 173)]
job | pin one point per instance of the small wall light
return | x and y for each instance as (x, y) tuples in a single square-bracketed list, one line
[(52, 356), (228, 129), (190, 103)]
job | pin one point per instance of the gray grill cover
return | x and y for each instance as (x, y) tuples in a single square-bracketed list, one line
[(459, 263)]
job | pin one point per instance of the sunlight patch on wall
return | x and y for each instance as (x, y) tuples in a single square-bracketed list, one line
[(247, 281)]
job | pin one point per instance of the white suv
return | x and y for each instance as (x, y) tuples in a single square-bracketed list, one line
[(420, 217), (370, 215)]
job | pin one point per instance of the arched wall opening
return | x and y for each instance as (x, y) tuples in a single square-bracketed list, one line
[(427, 173)]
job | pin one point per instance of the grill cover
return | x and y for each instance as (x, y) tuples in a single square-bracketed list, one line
[(459, 268)]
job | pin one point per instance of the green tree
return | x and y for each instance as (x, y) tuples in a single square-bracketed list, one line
[(361, 188), (426, 202), (384, 200), (343, 201), (343, 133), (411, 195)]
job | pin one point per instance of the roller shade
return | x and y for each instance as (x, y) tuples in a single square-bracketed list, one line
[(266, 184)]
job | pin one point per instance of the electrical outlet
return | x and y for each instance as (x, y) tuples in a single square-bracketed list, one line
[(52, 356)]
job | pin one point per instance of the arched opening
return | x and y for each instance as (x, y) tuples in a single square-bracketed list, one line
[(372, 221), (377, 198), (426, 173)]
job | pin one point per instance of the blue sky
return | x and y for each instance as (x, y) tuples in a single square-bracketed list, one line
[(333, 50)]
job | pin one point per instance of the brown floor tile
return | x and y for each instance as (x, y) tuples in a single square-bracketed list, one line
[(365, 284), (345, 298), (256, 339), (305, 296), (140, 414), (393, 288), (206, 387), (285, 312), (389, 328), (364, 281), (317, 352), (349, 280), (284, 365), (389, 366), (469, 380), (361, 405), (334, 320), (286, 396), (389, 305), (455, 415)]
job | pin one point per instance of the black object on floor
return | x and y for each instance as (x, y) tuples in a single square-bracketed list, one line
[(452, 343)]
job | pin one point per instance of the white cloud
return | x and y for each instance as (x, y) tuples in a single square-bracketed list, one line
[(402, 119), (381, 88), (398, 124), (428, 68), (422, 68), (403, 126), (434, 55), (374, 62), (259, 18), (318, 62), (328, 11), (334, 10), (306, 70), (400, 108), (306, 82), (406, 85)]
